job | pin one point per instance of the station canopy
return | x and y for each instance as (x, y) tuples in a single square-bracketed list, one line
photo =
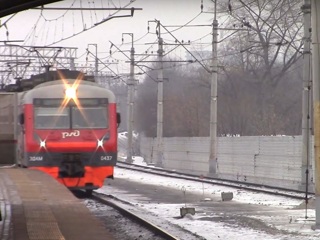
[(8, 7)]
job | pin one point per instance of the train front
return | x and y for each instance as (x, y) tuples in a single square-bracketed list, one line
[(71, 132)]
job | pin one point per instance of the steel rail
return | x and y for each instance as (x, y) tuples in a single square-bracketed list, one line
[(150, 226), (262, 188)]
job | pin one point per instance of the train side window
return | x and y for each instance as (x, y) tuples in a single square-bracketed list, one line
[(21, 118)]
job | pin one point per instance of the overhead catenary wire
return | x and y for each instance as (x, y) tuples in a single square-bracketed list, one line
[(82, 17), (135, 64), (180, 42), (47, 32), (59, 17), (135, 41), (84, 27), (95, 13), (186, 24), (184, 46), (74, 34), (115, 74), (90, 13)]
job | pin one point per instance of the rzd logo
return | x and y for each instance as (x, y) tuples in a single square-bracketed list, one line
[(75, 133)]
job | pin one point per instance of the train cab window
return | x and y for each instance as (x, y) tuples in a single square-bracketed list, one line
[(51, 118), (89, 117), (89, 113)]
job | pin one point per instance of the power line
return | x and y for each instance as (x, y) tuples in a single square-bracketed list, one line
[(115, 74), (84, 26), (57, 18), (112, 44), (184, 47), (186, 24)]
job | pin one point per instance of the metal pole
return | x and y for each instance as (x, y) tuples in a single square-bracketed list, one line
[(15, 126), (214, 97), (160, 103), (96, 66), (47, 71), (130, 84), (72, 64), (306, 9), (315, 21)]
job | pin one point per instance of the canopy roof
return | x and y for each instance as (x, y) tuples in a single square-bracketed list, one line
[(8, 7)]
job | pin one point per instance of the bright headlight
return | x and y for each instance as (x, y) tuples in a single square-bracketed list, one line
[(42, 143), (71, 92), (100, 143)]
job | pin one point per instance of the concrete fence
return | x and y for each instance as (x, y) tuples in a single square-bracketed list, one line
[(270, 160)]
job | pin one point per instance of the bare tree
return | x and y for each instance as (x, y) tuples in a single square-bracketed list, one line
[(258, 58), (145, 111), (259, 86), (272, 37), (185, 106)]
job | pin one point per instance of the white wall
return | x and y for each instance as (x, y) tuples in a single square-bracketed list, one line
[(259, 159)]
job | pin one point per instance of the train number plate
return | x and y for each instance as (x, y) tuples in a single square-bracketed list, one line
[(35, 158), (106, 158)]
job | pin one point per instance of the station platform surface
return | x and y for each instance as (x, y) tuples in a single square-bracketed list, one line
[(34, 206)]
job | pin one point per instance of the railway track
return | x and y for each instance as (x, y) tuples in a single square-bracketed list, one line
[(117, 205), (217, 181), (127, 221)]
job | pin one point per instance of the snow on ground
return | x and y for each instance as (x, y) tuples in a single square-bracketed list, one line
[(287, 217), (207, 189), (139, 161), (208, 229)]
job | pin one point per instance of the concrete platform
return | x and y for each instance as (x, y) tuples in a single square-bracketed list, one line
[(35, 206)]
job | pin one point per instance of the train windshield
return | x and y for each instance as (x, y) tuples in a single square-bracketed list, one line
[(90, 113), (51, 118), (89, 117)]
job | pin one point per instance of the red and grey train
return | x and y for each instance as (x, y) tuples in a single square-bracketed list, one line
[(68, 129)]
